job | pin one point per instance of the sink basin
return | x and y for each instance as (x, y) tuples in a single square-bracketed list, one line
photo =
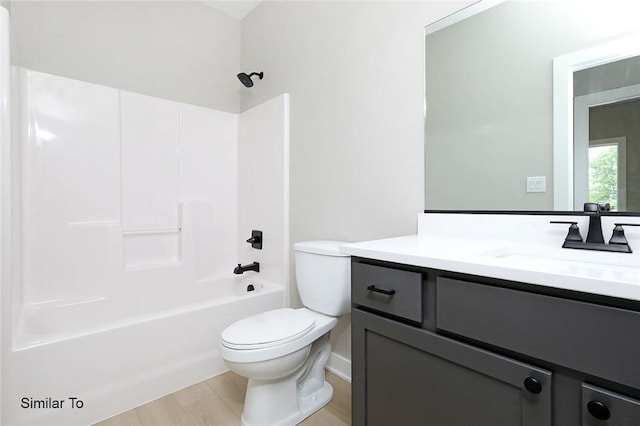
[(578, 265), (533, 254)]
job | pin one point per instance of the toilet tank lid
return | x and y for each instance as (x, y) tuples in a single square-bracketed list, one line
[(326, 247)]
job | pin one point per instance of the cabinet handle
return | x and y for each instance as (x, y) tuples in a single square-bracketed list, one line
[(598, 410), (533, 385), (381, 290)]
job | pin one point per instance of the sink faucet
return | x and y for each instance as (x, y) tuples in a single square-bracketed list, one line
[(595, 239), (241, 269), (593, 210)]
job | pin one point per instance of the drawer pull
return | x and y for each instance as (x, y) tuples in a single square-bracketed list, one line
[(598, 410), (381, 290), (533, 385)]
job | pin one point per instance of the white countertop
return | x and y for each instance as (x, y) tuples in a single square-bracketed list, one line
[(603, 273)]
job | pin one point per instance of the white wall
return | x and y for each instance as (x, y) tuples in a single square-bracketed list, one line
[(182, 51), (354, 72)]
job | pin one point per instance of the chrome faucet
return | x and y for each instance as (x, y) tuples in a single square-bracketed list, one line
[(241, 269)]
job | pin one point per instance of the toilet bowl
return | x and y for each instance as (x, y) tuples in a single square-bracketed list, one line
[(279, 371), (283, 352)]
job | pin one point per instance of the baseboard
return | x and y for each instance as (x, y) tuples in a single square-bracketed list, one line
[(340, 366)]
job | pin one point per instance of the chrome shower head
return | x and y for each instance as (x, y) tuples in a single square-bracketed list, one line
[(246, 79)]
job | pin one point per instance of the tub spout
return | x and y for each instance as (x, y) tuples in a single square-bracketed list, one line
[(241, 269)]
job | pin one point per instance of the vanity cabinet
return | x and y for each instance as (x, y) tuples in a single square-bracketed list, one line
[(437, 348), (416, 377)]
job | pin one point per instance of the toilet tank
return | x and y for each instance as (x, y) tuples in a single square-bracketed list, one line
[(323, 276)]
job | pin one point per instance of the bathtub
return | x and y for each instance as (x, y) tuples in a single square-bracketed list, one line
[(115, 353)]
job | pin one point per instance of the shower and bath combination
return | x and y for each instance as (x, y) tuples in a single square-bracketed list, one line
[(246, 78)]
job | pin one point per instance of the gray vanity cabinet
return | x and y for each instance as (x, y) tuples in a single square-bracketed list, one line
[(431, 349)]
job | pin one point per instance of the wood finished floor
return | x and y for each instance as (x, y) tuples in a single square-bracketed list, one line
[(219, 401)]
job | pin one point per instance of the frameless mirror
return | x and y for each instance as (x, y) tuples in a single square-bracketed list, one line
[(533, 105)]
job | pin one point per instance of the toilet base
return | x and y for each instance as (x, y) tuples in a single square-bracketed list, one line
[(307, 406), (314, 402), (288, 401)]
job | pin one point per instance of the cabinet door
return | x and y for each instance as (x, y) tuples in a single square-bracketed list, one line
[(404, 375)]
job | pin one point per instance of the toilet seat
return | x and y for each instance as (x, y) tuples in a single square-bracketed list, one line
[(268, 329), (322, 324)]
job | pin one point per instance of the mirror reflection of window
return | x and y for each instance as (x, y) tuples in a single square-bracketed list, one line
[(607, 113), (617, 124), (606, 183)]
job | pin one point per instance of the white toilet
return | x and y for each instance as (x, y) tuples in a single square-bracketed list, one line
[(283, 352)]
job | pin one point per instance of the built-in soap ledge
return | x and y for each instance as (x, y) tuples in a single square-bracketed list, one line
[(152, 248), (152, 231)]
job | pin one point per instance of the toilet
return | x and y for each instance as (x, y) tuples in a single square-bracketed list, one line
[(283, 352)]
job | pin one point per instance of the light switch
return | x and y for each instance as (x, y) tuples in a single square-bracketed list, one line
[(536, 184)]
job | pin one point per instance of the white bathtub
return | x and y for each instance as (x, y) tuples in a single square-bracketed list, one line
[(117, 352)]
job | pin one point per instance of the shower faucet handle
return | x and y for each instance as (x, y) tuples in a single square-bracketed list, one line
[(256, 239)]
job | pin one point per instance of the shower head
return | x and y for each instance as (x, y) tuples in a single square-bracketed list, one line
[(246, 79)]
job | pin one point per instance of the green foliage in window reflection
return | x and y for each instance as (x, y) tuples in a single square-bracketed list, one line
[(603, 177)]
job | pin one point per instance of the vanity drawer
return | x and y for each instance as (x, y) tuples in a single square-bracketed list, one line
[(601, 407), (598, 340), (392, 291)]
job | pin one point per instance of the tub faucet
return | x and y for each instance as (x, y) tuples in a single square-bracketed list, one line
[(241, 269)]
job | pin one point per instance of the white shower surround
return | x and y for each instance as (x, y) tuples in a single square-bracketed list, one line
[(129, 214)]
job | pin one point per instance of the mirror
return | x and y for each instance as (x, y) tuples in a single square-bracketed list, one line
[(502, 85)]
